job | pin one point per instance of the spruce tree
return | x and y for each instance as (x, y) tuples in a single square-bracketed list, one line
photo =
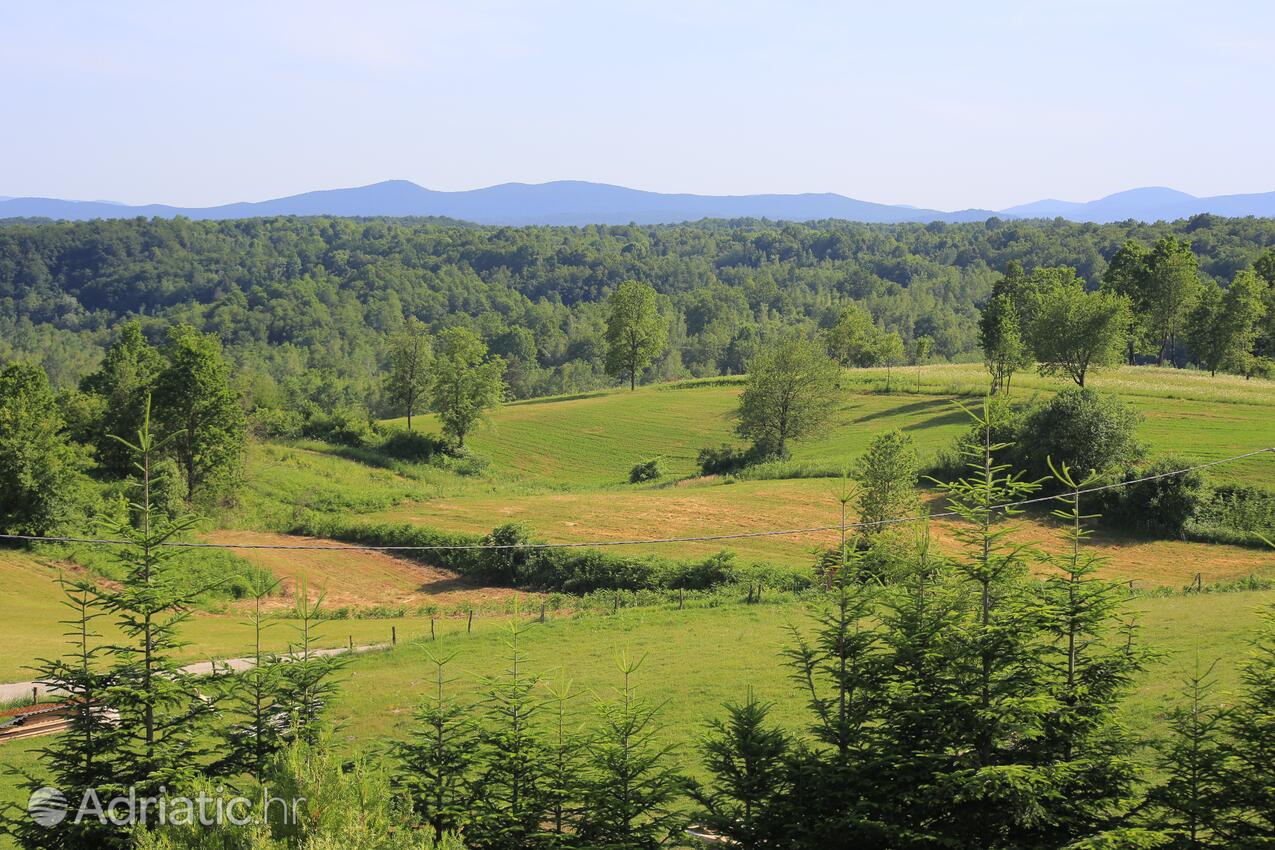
[(1189, 805), (437, 759), (512, 799), (565, 765), (923, 711), (257, 721), (1252, 730), (161, 712), (308, 684), (995, 792), (630, 797), (840, 676), (81, 758), (1089, 671), (747, 759)]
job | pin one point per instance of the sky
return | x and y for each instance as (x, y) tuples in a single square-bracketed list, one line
[(947, 105)]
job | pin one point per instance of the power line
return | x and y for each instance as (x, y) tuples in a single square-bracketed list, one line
[(705, 538)]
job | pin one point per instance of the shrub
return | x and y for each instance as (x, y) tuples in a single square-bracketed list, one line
[(346, 426), (411, 446), (727, 458), (1083, 428), (1162, 506), (1239, 508), (647, 470), (569, 570), (1007, 423), (267, 423)]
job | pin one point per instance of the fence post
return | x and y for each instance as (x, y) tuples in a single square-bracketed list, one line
[(351, 643), (469, 627), (681, 599), (35, 695), (431, 629), (393, 635), (542, 610)]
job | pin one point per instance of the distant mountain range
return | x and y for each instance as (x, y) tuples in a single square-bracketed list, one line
[(574, 202)]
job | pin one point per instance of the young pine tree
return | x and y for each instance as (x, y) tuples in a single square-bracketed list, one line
[(630, 796), (1252, 730), (923, 710), (257, 721), (308, 675), (839, 673), (564, 768), (748, 760), (436, 760), (1089, 670), (513, 758), (996, 791), (161, 712), (82, 757), (1190, 804)]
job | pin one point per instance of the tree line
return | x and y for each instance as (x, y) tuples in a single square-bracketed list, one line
[(290, 296)]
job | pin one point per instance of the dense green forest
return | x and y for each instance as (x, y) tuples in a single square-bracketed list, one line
[(307, 303)]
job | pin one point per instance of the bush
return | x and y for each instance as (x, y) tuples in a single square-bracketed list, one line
[(1082, 428), (1163, 506), (1239, 508), (647, 470), (345, 426), (411, 446), (1007, 424), (568, 570), (271, 423), (727, 458)]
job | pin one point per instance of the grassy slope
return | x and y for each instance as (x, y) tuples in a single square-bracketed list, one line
[(732, 648)]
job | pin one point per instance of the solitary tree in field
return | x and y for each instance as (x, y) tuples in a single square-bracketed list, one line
[(889, 351), (791, 392), (1073, 330), (887, 476), (198, 410), (922, 348), (1004, 349), (467, 383), (636, 333), (411, 356)]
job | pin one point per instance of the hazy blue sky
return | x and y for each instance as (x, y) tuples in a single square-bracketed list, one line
[(944, 104)]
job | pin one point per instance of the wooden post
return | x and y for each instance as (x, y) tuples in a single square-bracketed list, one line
[(681, 599), (542, 610), (431, 629), (469, 627), (393, 635), (35, 695), (351, 643), (615, 604)]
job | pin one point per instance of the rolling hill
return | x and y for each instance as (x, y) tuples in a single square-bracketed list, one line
[(575, 202)]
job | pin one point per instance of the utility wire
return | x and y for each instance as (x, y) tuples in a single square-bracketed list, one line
[(705, 538)]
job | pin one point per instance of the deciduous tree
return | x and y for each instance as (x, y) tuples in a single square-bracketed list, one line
[(467, 383), (411, 356), (791, 393), (636, 333)]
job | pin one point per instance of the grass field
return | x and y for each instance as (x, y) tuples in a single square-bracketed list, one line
[(560, 466), (695, 660)]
